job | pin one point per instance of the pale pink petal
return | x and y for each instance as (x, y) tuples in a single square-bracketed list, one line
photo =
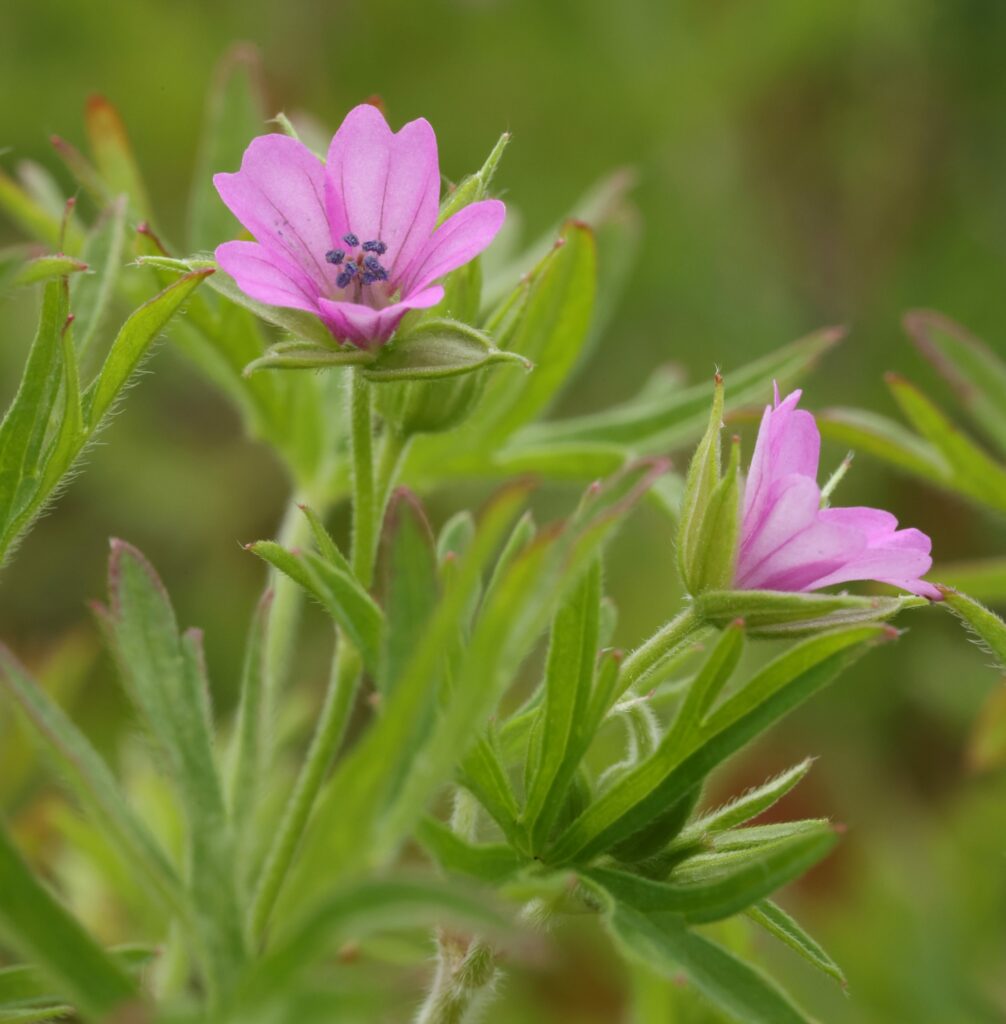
[(874, 522), (259, 276), (457, 241), (791, 506), (278, 194), (788, 442), (383, 186), (901, 555), (365, 326), (819, 549)]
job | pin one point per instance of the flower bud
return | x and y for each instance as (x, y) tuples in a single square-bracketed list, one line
[(710, 511)]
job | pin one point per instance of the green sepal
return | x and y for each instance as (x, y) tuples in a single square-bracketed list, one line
[(715, 556), (303, 355), (777, 613), (42, 268), (700, 483), (437, 349), (475, 186), (433, 377)]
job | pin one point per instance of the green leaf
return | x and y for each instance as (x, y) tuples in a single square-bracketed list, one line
[(776, 613), (113, 153), (437, 349), (338, 592), (163, 680), (753, 803), (985, 625), (777, 922), (246, 781), (35, 1015), (493, 863), (354, 913), (91, 294), (34, 219), (712, 887), (973, 471), (974, 371), (513, 615), (569, 677), (678, 415), (43, 268), (674, 770), (664, 943), (549, 331), (235, 114), (26, 422), (577, 462), (41, 930), (87, 776), (408, 581), (85, 173), (133, 342), (485, 776), (705, 688), (885, 439), (324, 542), (359, 789), (22, 986), (43, 187)]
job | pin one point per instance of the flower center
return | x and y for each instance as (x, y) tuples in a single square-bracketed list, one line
[(362, 265)]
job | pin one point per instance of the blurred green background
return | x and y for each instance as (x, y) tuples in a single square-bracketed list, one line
[(799, 164)]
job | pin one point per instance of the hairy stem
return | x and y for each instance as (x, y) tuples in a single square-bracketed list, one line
[(368, 505), (465, 972), (366, 512), (324, 746), (667, 641)]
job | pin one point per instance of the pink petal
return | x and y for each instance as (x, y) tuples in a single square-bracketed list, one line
[(791, 505), (874, 522), (278, 194), (457, 241), (383, 186), (259, 276), (788, 442), (819, 549), (363, 325), (902, 555)]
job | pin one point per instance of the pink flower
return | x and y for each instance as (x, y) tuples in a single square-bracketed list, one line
[(353, 240), (788, 542)]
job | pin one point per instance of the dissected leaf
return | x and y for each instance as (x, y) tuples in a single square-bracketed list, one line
[(988, 628), (35, 923), (974, 371), (776, 921)]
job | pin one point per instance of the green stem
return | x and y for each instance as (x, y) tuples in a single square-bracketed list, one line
[(324, 746), (464, 973), (369, 497), (646, 659), (365, 501)]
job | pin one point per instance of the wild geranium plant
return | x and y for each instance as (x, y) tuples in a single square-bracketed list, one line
[(459, 782)]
